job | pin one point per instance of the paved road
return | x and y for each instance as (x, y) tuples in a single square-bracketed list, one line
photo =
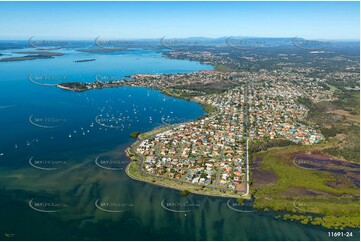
[(246, 126)]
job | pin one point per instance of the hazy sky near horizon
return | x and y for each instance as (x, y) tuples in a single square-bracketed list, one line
[(117, 20)]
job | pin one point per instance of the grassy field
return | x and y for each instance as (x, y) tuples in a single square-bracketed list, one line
[(332, 88), (315, 197), (305, 194), (223, 68)]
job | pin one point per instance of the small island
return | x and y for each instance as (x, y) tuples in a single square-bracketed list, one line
[(86, 60), (31, 55)]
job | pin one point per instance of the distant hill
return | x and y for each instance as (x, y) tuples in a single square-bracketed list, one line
[(268, 41)]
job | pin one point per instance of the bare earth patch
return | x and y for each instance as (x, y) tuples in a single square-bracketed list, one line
[(261, 177), (347, 173)]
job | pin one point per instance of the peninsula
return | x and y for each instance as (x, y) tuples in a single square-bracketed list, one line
[(263, 138)]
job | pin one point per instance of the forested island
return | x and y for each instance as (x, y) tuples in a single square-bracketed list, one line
[(31, 55)]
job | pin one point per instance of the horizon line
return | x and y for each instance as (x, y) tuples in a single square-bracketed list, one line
[(158, 38)]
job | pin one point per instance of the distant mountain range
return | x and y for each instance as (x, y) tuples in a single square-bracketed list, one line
[(221, 41)]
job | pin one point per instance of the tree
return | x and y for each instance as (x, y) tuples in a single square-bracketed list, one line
[(185, 193), (240, 200)]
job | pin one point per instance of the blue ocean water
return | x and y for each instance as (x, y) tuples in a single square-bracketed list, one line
[(138, 109)]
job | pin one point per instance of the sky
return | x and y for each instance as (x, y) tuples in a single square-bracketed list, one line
[(133, 20)]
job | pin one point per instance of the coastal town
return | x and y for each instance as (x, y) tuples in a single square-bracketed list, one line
[(242, 106), (212, 151), (208, 152)]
